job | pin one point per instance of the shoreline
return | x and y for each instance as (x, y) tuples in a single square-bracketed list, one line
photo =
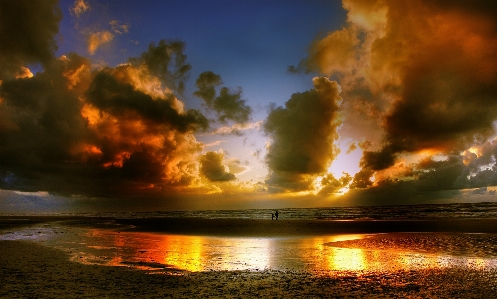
[(258, 228), (277, 228)]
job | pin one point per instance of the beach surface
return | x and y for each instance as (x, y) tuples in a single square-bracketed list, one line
[(101, 257)]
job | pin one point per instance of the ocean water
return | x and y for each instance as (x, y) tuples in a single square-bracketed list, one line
[(399, 212)]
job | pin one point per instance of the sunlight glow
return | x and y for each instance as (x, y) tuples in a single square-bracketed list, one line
[(475, 150), (183, 253), (350, 259), (343, 190), (346, 162)]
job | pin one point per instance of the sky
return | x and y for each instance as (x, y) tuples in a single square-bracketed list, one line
[(174, 105)]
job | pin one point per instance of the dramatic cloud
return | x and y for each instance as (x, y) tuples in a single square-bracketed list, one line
[(105, 132), (417, 77), (167, 61), (74, 128), (411, 86), (27, 34), (228, 105), (41, 121), (120, 98), (213, 168), (302, 136)]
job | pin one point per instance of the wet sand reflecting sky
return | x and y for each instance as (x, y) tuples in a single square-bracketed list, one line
[(322, 255), (152, 251)]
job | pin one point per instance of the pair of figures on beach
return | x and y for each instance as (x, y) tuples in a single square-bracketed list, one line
[(274, 215)]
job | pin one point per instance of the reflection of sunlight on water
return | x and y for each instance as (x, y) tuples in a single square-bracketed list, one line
[(321, 255), (201, 253), (235, 253), (151, 251), (184, 253), (332, 258), (195, 253), (347, 259), (190, 253)]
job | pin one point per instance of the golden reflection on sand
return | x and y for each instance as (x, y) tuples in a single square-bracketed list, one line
[(180, 253), (477, 263), (202, 253), (152, 251), (191, 253), (338, 259), (347, 259)]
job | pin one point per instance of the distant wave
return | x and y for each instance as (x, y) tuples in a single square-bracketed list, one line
[(399, 212)]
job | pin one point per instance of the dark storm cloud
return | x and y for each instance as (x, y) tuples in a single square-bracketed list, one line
[(417, 77), (362, 179), (41, 121), (429, 175), (207, 82), (212, 166), (436, 60), (121, 99), (27, 33), (377, 160), (447, 101), (447, 95), (442, 107), (440, 175), (167, 61), (228, 104), (303, 135), (71, 129), (43, 110)]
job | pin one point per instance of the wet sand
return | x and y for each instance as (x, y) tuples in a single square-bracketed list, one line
[(29, 269)]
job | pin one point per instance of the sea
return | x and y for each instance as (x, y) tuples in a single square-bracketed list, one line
[(333, 254), (395, 212)]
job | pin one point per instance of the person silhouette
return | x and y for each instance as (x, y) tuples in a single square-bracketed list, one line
[(272, 216), (276, 214)]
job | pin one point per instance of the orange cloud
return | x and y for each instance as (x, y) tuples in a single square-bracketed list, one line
[(79, 7), (418, 74), (103, 132), (97, 39)]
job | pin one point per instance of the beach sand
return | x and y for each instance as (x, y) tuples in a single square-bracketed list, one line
[(30, 269)]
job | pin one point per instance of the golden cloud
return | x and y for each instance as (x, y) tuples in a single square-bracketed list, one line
[(97, 39)]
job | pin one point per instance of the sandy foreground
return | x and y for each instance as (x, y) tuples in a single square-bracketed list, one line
[(32, 269)]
